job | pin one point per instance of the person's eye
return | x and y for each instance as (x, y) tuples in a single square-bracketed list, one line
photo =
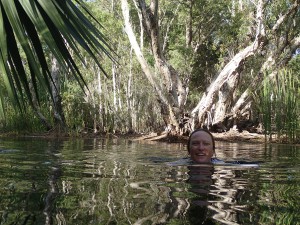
[(206, 143), (195, 143)]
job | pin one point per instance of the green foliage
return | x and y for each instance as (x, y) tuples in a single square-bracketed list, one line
[(280, 106), (203, 66), (34, 26), (266, 107), (219, 31), (21, 123)]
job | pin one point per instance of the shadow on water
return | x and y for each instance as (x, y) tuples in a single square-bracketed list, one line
[(200, 180), (218, 195), (120, 182)]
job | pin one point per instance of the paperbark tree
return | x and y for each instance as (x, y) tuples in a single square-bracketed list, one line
[(218, 102), (59, 117), (35, 106), (276, 57), (172, 92), (223, 87)]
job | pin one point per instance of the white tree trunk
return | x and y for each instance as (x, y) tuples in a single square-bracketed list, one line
[(228, 77), (55, 86), (99, 85), (37, 111), (166, 104), (273, 61), (113, 71), (226, 93), (129, 98)]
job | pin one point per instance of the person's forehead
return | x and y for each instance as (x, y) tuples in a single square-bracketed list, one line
[(201, 135)]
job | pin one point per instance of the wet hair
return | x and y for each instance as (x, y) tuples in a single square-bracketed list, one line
[(204, 130)]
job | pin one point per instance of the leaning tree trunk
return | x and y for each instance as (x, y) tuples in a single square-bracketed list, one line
[(275, 58), (278, 49), (172, 95), (223, 87), (36, 109), (225, 83)]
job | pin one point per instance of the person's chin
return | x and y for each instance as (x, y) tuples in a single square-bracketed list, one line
[(202, 160)]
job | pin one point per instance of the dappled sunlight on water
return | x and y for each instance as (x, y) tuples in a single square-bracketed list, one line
[(118, 181)]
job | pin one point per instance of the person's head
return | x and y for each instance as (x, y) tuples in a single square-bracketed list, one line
[(201, 146)]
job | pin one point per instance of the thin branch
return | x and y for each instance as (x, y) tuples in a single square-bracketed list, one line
[(283, 18)]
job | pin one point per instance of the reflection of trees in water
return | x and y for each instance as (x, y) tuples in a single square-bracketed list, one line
[(200, 181), (50, 210), (278, 199), (115, 189), (127, 198), (122, 191), (31, 197), (119, 192), (54, 175), (236, 190), (222, 194), (132, 193)]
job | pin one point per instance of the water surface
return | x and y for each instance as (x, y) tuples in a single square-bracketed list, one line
[(117, 181)]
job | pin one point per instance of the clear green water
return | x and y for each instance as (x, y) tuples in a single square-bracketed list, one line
[(123, 182)]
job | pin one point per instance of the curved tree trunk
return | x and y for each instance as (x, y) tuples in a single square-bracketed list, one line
[(223, 87), (226, 97), (272, 63), (275, 59), (220, 93), (225, 83), (36, 108)]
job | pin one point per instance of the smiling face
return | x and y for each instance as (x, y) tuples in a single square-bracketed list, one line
[(201, 147)]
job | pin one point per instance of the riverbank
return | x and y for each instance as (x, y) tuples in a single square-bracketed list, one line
[(229, 136)]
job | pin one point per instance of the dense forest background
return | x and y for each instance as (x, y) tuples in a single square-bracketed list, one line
[(169, 66)]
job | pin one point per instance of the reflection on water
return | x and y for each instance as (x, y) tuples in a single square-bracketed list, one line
[(123, 182), (200, 180)]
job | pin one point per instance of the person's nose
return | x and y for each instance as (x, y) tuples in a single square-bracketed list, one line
[(201, 146)]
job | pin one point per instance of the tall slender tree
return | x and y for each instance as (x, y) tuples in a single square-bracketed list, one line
[(171, 93)]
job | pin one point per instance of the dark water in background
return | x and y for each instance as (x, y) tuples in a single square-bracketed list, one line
[(123, 182)]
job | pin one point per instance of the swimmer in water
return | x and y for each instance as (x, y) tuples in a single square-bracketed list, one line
[(201, 146), (201, 150)]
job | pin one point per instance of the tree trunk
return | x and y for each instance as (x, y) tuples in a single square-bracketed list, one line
[(278, 48), (59, 118), (189, 24), (226, 98), (36, 109), (272, 63), (130, 100), (172, 95), (227, 76), (275, 59), (222, 88), (175, 89), (113, 71)]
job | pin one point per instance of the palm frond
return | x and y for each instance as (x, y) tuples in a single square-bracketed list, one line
[(28, 27)]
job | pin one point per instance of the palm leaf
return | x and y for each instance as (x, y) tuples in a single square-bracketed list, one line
[(4, 69), (30, 26)]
